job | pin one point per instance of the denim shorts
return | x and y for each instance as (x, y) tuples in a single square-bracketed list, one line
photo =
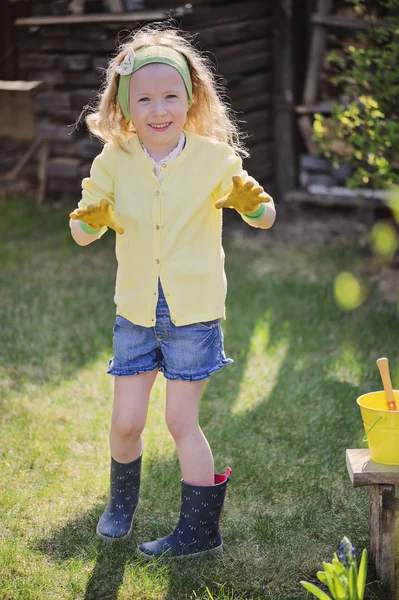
[(189, 352)]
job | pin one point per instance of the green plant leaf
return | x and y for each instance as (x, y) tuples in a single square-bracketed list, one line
[(313, 589), (330, 582), (328, 568), (361, 579), (341, 590), (364, 120), (338, 566), (352, 583), (321, 576)]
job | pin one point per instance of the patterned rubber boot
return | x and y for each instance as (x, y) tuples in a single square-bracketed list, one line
[(197, 531), (117, 520)]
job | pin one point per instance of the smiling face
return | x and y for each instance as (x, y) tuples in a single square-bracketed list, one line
[(158, 107)]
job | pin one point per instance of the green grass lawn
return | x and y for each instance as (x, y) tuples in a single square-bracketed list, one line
[(281, 416)]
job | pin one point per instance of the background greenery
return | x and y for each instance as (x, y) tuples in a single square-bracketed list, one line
[(363, 129), (281, 416)]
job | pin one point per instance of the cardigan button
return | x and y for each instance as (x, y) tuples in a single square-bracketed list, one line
[(157, 193), (164, 165), (157, 261), (157, 227)]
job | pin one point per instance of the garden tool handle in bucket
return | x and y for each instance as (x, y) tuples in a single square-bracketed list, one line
[(383, 367)]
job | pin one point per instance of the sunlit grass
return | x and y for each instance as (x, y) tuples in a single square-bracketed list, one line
[(281, 416), (347, 367), (261, 368)]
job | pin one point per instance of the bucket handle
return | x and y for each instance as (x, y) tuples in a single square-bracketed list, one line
[(367, 432)]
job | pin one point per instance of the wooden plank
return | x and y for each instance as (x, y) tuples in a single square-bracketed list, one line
[(316, 55), (146, 15), (283, 99), (8, 43), (252, 102), (77, 7), (321, 107), (210, 3), (260, 165), (328, 199), (200, 16), (340, 22), (17, 115), (114, 6), (20, 86), (72, 44), (261, 162), (382, 534), (259, 126), (364, 471), (305, 126), (241, 85), (263, 149), (42, 172), (13, 174), (247, 63), (374, 522), (234, 52), (228, 33), (266, 182)]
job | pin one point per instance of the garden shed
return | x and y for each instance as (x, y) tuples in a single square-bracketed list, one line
[(65, 46), (271, 56)]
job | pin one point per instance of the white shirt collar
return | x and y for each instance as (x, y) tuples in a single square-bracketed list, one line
[(171, 155)]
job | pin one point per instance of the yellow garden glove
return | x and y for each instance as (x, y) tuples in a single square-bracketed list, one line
[(98, 216), (246, 198)]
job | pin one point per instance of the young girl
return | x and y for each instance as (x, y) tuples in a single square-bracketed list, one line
[(171, 161)]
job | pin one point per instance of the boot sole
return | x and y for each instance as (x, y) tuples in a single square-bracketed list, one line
[(181, 556), (111, 540)]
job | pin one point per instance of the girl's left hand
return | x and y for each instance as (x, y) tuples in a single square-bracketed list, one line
[(245, 198)]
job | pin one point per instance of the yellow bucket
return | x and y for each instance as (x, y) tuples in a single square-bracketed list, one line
[(381, 426)]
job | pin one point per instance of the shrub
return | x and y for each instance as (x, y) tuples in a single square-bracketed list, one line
[(364, 128)]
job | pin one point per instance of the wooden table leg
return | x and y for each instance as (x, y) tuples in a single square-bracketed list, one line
[(42, 172), (382, 533)]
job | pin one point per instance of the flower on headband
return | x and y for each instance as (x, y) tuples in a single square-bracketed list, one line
[(126, 66)]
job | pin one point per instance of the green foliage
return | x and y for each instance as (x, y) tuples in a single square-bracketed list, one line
[(341, 575), (364, 129), (390, 4), (359, 5)]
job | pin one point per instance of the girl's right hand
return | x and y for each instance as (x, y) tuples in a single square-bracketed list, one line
[(98, 216)]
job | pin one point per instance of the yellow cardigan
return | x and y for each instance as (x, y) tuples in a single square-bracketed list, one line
[(172, 230)]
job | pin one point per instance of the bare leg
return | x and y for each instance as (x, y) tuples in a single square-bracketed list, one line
[(182, 407), (131, 397)]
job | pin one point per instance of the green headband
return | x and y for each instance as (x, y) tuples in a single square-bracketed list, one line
[(134, 60)]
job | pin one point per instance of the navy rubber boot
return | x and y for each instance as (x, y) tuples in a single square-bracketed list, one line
[(198, 529), (117, 520)]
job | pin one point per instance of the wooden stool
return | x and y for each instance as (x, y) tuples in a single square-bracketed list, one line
[(381, 480)]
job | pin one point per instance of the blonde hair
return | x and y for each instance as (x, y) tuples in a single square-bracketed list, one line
[(209, 116)]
